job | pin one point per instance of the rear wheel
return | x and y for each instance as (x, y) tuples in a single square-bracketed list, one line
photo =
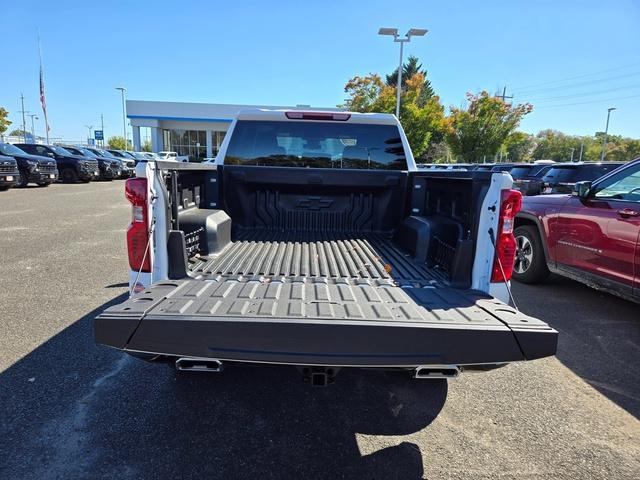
[(530, 264), (69, 175)]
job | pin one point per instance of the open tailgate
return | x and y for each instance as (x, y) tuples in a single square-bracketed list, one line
[(323, 322)]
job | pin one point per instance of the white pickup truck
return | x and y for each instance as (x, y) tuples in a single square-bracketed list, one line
[(172, 156), (313, 240)]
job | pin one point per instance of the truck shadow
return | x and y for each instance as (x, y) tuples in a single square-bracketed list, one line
[(599, 335), (71, 409)]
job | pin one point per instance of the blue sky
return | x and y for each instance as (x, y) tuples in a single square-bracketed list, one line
[(303, 52)]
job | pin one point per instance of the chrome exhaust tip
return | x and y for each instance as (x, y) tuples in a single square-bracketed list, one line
[(436, 371), (189, 364)]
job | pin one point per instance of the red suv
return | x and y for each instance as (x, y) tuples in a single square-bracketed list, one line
[(591, 235)]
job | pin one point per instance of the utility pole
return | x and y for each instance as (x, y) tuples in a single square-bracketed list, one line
[(572, 150), (581, 147), (33, 130), (102, 124), (504, 95), (606, 132), (124, 116), (90, 127), (24, 122)]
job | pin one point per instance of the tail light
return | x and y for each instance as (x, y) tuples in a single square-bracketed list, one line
[(511, 203), (138, 232)]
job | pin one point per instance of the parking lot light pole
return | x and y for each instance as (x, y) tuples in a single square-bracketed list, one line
[(413, 32), (24, 122), (606, 132), (33, 129), (124, 116), (90, 127)]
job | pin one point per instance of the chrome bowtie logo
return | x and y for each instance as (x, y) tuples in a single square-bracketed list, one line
[(314, 203)]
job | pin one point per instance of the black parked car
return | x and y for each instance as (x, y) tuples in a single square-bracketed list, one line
[(33, 168), (9, 173), (128, 159), (525, 176), (141, 156), (71, 167), (110, 168), (561, 177), (124, 168)]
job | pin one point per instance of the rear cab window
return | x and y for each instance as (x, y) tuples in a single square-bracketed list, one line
[(314, 144)]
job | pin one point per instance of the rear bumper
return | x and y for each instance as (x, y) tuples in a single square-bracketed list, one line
[(161, 321)]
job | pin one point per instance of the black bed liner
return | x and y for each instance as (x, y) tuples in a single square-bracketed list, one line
[(315, 255), (298, 320)]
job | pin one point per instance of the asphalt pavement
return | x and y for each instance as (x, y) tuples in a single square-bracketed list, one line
[(70, 409)]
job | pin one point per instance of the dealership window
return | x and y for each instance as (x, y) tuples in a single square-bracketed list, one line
[(216, 140), (186, 142)]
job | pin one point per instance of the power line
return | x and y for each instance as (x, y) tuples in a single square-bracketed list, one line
[(583, 94), (549, 82), (584, 103), (578, 84)]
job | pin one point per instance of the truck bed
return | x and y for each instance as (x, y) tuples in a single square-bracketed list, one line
[(323, 267), (315, 255)]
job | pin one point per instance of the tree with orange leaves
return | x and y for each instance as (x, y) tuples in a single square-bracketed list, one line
[(422, 120)]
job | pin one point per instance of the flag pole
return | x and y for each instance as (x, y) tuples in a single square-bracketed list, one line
[(42, 97)]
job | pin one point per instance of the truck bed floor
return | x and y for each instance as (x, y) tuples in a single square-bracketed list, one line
[(339, 256)]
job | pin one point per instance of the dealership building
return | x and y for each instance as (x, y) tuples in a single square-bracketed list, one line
[(194, 129)]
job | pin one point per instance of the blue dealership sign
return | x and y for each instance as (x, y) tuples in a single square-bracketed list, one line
[(98, 134)]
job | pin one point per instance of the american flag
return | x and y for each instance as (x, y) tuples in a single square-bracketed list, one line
[(42, 97)]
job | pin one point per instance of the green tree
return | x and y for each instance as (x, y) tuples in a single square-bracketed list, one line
[(422, 122), (632, 148), (618, 148), (409, 69), (438, 152), (557, 146), (518, 147), (117, 143), (482, 127), (4, 120), (146, 146), (18, 132)]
